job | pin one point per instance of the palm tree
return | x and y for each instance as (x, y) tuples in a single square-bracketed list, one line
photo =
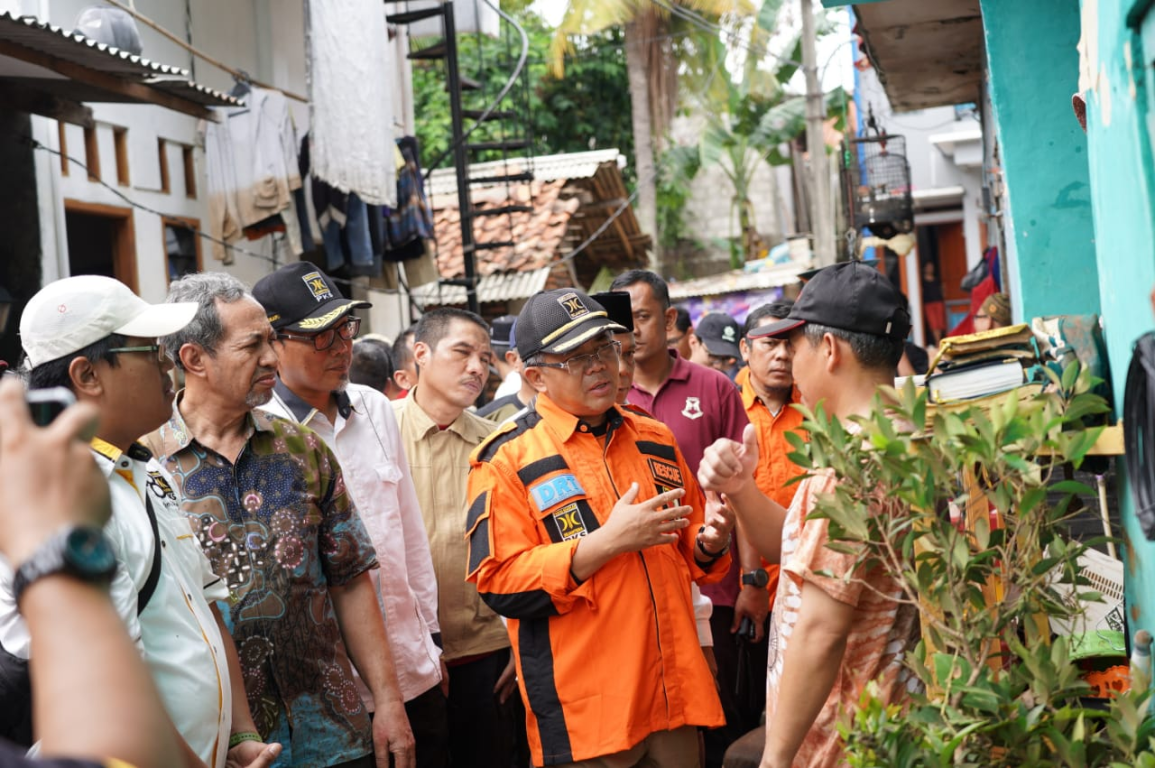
[(652, 72)]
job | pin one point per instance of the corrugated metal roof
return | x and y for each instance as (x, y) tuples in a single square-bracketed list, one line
[(40, 36), (738, 280), (506, 286), (572, 165)]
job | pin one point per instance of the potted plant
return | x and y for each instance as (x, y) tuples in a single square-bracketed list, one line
[(995, 687)]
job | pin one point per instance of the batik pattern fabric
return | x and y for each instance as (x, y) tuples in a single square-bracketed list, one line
[(279, 526)]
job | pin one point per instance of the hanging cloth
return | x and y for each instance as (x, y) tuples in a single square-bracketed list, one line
[(350, 98)]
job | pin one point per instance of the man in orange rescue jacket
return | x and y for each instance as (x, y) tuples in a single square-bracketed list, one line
[(586, 528)]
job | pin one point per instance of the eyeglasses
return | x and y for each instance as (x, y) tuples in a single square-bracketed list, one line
[(673, 341), (158, 349), (607, 353), (321, 341)]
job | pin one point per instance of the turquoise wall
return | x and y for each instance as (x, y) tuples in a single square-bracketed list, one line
[(1051, 238), (1122, 187)]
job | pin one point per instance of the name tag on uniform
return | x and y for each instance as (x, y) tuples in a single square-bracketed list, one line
[(666, 474), (555, 491)]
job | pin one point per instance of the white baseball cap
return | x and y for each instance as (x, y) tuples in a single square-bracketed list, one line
[(67, 315)]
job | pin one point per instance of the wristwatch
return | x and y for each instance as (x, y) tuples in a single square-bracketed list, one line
[(80, 551), (756, 578)]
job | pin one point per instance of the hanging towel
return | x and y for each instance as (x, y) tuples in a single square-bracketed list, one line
[(351, 103)]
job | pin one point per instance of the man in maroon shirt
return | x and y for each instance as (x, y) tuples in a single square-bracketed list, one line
[(699, 405)]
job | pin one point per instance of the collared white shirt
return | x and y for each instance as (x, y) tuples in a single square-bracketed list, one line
[(178, 635), (368, 446)]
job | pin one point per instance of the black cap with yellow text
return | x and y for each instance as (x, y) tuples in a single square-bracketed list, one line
[(300, 297), (557, 321)]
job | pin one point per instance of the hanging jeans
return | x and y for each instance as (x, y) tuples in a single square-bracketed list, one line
[(356, 237)]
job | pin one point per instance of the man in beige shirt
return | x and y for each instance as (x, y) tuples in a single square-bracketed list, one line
[(452, 351)]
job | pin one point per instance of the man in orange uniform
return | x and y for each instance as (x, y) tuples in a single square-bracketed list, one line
[(585, 529), (768, 391)]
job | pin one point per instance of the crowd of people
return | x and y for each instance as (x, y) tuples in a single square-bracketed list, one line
[(325, 550)]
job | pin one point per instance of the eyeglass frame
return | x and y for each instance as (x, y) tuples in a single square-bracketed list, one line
[(160, 349), (336, 328), (587, 359)]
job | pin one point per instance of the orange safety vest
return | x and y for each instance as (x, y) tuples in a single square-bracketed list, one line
[(774, 469), (605, 663)]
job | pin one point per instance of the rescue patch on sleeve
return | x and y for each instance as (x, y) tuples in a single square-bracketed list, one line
[(555, 490), (666, 474)]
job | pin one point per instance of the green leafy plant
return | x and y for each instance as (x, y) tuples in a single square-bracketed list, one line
[(997, 687)]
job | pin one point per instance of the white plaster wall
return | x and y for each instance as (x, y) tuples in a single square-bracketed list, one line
[(262, 37)]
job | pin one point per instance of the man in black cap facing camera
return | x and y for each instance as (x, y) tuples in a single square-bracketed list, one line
[(315, 351), (585, 529), (834, 629)]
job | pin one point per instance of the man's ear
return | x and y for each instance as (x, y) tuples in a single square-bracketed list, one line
[(86, 380), (671, 318), (744, 346), (192, 357), (831, 351), (421, 353), (535, 376), (512, 357)]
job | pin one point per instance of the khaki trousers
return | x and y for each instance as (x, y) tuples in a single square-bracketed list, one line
[(662, 749)]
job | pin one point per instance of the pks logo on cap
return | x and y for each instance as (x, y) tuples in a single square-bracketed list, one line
[(317, 286), (728, 333), (573, 305)]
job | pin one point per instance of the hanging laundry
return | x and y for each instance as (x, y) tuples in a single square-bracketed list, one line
[(252, 169), (346, 223), (410, 223), (350, 98)]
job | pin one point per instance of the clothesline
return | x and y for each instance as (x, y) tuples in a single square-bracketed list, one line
[(236, 73)]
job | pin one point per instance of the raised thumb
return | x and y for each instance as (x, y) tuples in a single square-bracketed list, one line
[(750, 440)]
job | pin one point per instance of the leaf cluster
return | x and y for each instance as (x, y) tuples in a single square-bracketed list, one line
[(997, 687)]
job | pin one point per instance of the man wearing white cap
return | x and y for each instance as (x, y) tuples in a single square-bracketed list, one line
[(93, 336)]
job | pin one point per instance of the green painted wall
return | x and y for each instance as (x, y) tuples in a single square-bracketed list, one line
[(1051, 238), (1123, 190)]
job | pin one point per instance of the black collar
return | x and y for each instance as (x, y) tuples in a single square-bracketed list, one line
[(302, 411)]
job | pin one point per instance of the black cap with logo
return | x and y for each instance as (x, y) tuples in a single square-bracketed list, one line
[(618, 307), (300, 297), (560, 320), (719, 333), (850, 296)]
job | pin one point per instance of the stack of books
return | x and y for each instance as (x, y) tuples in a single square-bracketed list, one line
[(981, 364)]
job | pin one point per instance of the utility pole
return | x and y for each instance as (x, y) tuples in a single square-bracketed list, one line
[(821, 207)]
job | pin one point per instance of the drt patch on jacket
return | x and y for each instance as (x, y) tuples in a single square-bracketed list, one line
[(555, 490)]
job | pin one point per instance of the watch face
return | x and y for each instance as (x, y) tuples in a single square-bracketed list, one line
[(86, 550)]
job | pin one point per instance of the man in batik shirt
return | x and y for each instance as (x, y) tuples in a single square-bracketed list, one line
[(270, 508)]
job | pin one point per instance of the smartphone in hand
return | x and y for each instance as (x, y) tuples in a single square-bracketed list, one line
[(47, 404)]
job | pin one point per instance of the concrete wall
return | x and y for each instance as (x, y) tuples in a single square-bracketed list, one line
[(262, 37), (710, 214), (1122, 177), (1033, 74)]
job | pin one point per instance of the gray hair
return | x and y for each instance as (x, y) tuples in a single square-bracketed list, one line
[(206, 328), (874, 352)]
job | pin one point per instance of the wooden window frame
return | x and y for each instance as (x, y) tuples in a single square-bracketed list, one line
[(120, 142), (162, 154), (92, 153), (124, 246), (188, 223), (190, 171), (62, 132)]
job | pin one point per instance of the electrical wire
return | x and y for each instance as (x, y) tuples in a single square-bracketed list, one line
[(706, 25)]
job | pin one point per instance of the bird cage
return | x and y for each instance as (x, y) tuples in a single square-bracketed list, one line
[(877, 178)]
